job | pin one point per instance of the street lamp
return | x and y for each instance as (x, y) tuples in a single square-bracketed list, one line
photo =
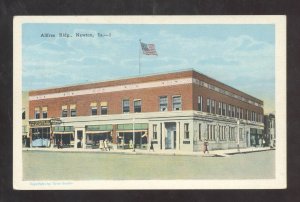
[(133, 142), (238, 135)]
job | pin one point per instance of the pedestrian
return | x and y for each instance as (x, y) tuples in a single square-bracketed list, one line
[(58, 144), (105, 145), (61, 144), (151, 145), (101, 145), (205, 147)]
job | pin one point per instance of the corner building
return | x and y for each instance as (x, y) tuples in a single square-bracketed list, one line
[(174, 111)]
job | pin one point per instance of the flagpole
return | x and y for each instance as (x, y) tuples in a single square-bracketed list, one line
[(140, 58)]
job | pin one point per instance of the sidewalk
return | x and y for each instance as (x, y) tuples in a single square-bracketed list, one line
[(213, 153)]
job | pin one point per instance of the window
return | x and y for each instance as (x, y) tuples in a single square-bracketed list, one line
[(247, 114), (211, 132), (242, 114), (229, 110), (199, 103), (208, 105), (237, 112), (23, 114), (186, 131), (154, 131), (103, 110), (73, 110), (233, 111), (45, 112), (64, 111), (126, 107), (241, 135), (137, 105), (222, 136), (94, 109), (231, 133), (163, 103), (176, 103), (213, 109), (220, 108), (223, 109), (37, 113), (199, 132)]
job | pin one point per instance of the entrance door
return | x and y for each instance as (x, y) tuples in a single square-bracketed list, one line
[(170, 142)]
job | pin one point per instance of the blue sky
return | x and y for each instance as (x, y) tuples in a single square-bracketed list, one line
[(242, 56)]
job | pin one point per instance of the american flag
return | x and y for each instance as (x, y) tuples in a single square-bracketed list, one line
[(148, 49)]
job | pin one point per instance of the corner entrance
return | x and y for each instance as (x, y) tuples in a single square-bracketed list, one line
[(170, 139)]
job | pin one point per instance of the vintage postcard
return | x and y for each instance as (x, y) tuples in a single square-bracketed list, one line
[(149, 102)]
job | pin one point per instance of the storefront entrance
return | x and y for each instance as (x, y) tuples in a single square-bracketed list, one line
[(170, 140)]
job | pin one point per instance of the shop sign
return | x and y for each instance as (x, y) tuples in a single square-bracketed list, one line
[(55, 121), (99, 127), (39, 123)]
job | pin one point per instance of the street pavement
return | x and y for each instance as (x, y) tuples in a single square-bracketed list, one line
[(213, 153)]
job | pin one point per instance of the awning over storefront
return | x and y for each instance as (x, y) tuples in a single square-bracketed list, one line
[(68, 129), (137, 126), (107, 127)]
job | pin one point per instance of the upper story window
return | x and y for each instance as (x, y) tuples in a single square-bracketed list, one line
[(64, 111), (23, 114), (104, 108), (242, 114), (126, 106), (220, 108), (73, 110), (229, 110), (223, 109), (233, 111), (94, 108), (247, 114), (208, 105), (237, 112), (213, 106), (137, 105), (37, 113), (199, 103), (45, 112), (176, 103), (163, 103)]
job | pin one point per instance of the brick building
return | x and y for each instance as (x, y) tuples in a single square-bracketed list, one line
[(177, 110)]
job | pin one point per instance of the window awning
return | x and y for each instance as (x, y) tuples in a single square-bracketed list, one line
[(137, 126), (107, 127), (63, 129)]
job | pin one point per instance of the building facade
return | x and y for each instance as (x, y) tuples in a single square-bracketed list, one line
[(270, 132), (25, 118), (173, 111)]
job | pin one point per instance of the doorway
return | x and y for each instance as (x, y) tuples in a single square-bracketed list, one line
[(170, 139)]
